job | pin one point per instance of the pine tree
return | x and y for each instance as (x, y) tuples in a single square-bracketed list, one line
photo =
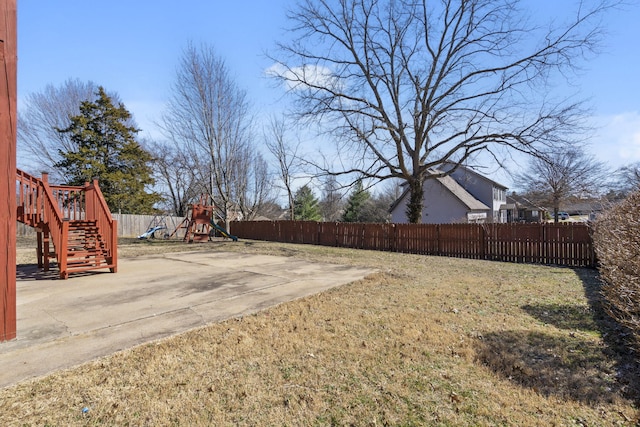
[(108, 150), (357, 205), (305, 205)]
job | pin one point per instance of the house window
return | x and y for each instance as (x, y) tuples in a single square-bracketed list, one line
[(499, 194)]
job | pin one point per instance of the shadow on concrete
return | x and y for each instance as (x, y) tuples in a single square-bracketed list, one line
[(30, 272)]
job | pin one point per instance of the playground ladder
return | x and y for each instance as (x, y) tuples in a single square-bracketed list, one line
[(74, 219)]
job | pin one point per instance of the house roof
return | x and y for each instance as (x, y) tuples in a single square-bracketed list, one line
[(523, 203), (454, 188), (479, 175), (585, 206), (463, 195)]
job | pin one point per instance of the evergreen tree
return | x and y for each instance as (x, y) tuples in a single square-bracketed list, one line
[(107, 149), (357, 205), (305, 205)]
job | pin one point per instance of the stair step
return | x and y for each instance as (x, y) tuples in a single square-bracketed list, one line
[(84, 237), (83, 258), (88, 262), (85, 248), (80, 263), (85, 253), (83, 243), (88, 268)]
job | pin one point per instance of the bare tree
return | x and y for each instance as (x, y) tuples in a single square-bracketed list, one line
[(43, 114), (332, 203), (408, 85), (175, 177), (628, 178), (208, 116), (285, 151), (253, 189), (560, 174)]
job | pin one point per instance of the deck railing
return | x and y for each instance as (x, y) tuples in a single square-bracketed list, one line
[(97, 209), (29, 194), (49, 208), (39, 208)]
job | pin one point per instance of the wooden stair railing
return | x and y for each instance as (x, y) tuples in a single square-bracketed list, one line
[(75, 219)]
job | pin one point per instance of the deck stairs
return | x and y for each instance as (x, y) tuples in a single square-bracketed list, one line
[(74, 226)]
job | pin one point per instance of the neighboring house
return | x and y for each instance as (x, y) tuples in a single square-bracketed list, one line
[(586, 209), (519, 209), (464, 196)]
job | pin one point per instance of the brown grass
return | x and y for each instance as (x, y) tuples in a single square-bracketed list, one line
[(426, 341)]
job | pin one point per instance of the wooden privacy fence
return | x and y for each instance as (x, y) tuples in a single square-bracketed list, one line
[(128, 225), (567, 244)]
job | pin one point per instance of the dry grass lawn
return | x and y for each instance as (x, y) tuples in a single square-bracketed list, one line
[(426, 341)]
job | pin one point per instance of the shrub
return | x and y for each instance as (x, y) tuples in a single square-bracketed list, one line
[(617, 243)]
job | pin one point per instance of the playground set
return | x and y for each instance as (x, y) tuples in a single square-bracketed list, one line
[(199, 225)]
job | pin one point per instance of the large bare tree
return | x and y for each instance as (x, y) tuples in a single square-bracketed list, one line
[(408, 85), (628, 178), (42, 114), (551, 179), (331, 203), (253, 187), (175, 177), (208, 117), (285, 150)]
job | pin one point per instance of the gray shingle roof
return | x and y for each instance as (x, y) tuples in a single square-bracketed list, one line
[(463, 195)]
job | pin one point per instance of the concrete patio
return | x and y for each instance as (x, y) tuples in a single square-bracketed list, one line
[(62, 324)]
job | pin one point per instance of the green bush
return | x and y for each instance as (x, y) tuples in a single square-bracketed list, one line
[(617, 243)]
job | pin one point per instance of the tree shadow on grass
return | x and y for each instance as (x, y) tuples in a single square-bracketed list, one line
[(564, 316), (618, 338), (568, 363), (564, 366)]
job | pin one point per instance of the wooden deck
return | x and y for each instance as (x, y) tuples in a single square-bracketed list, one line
[(73, 224)]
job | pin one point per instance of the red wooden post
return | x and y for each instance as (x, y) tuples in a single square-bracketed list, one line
[(89, 200), (8, 207)]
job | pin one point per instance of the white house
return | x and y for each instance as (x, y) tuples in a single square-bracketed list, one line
[(462, 196)]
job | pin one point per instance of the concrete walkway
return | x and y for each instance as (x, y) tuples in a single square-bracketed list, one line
[(65, 323)]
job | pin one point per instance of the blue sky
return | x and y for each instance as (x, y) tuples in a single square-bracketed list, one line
[(132, 47)]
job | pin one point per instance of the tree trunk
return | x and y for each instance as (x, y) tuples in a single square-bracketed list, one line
[(292, 214), (556, 208), (415, 205)]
